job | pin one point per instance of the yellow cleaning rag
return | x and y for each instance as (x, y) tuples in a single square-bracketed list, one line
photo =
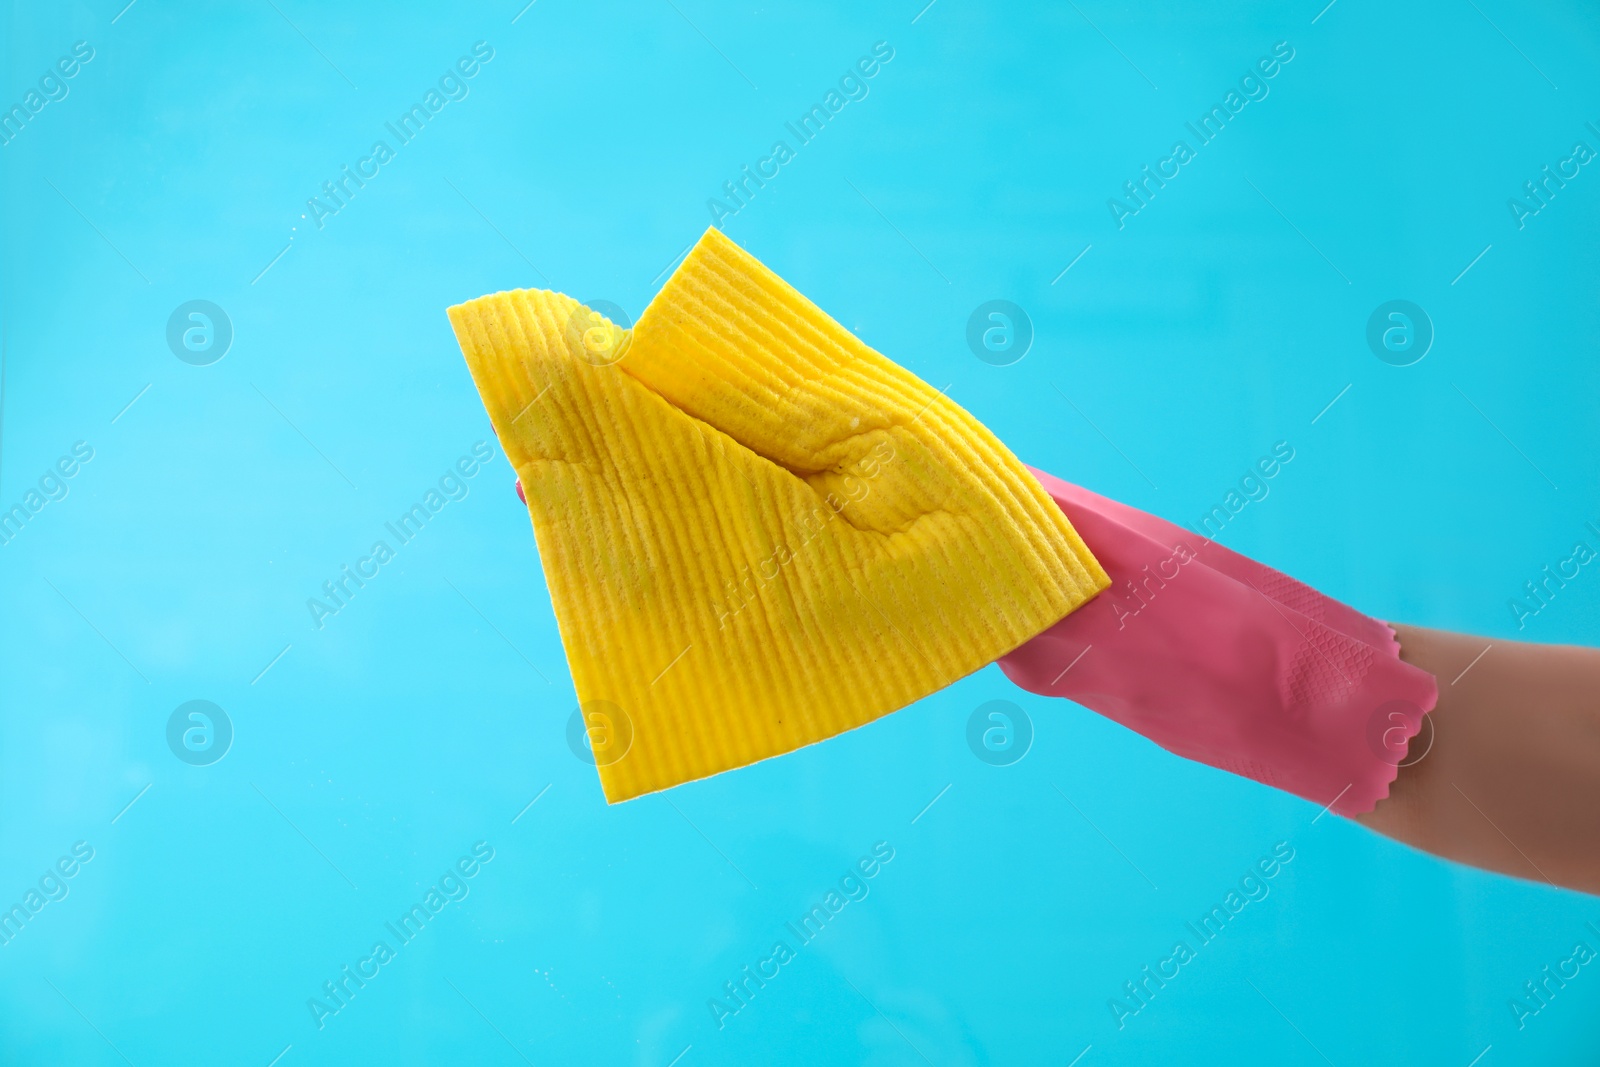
[(757, 531)]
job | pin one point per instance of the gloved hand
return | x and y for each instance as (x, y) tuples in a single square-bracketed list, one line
[(1225, 661)]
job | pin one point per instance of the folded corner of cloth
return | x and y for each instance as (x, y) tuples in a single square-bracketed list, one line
[(757, 531), (1226, 661)]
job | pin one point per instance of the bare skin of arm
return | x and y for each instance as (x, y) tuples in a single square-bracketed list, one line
[(1510, 778)]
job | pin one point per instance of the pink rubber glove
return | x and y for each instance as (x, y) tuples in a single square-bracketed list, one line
[(1222, 660)]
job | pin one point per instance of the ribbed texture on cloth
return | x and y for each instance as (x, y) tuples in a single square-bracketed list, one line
[(757, 531)]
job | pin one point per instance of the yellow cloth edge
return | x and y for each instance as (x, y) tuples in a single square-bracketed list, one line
[(507, 388)]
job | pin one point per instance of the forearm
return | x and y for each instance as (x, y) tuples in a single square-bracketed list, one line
[(1507, 777)]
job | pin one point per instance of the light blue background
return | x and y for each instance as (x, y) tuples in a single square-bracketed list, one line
[(377, 750)]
